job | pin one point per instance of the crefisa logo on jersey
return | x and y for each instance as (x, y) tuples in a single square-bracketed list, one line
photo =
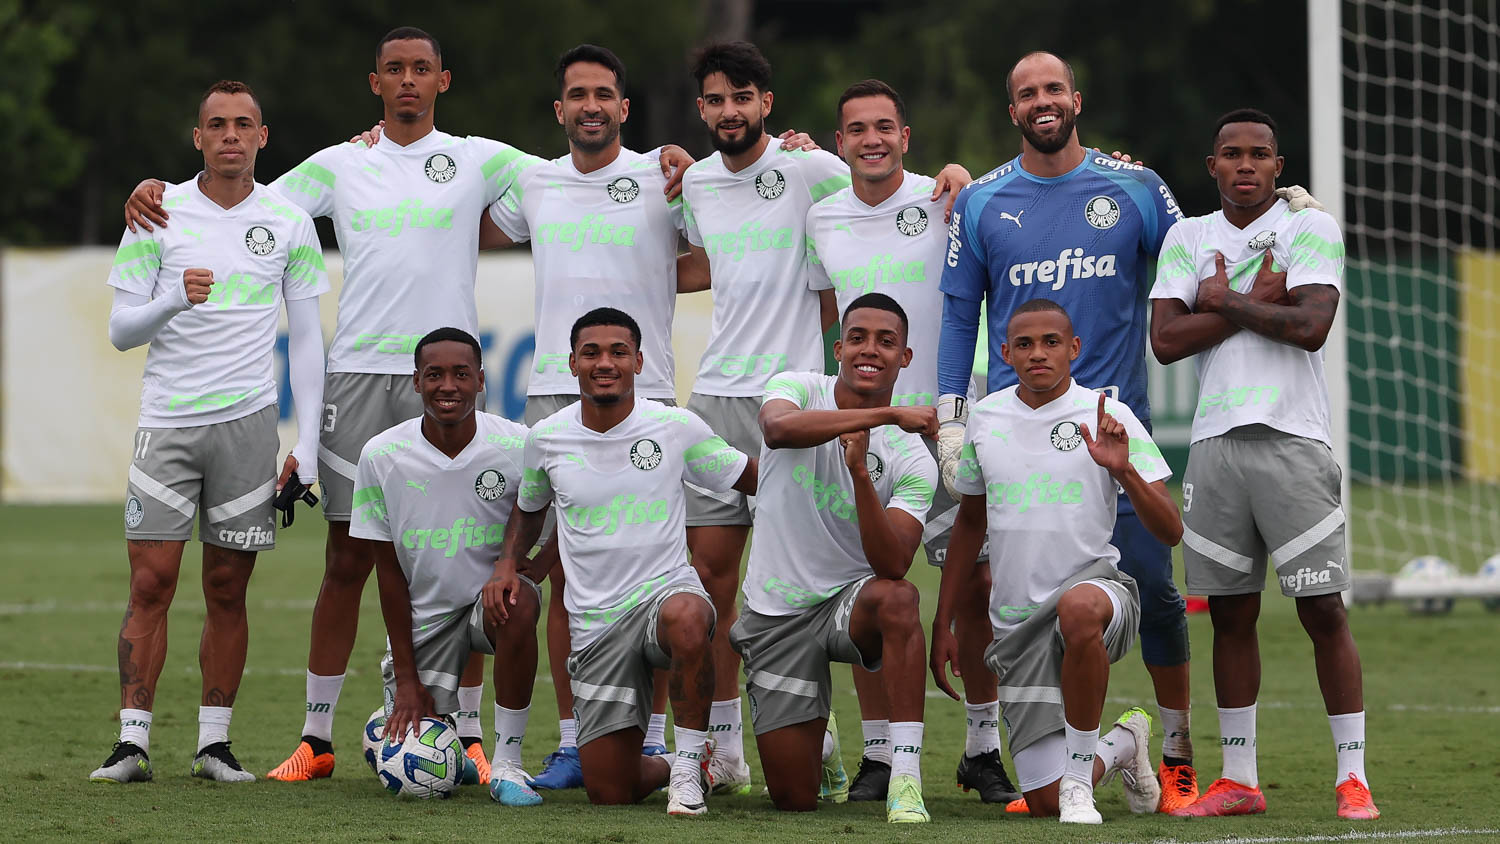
[(259, 240), (911, 221), (490, 484), (134, 512), (1102, 212), (623, 189), (874, 465), (645, 454), (1263, 241), (770, 184), (1066, 436), (440, 168)]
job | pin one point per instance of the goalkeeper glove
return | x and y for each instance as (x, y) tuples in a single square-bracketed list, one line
[(1299, 199), (953, 415)]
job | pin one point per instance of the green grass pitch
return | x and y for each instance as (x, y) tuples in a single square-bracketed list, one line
[(1432, 688)]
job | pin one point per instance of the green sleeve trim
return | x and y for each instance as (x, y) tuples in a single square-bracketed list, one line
[(828, 187), (1309, 242), (1175, 262), (914, 490), (1146, 447), (709, 446), (367, 495), (787, 388), (309, 255), (498, 160), (315, 172), (137, 250)]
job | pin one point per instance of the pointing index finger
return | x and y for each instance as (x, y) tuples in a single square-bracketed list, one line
[(1099, 425)]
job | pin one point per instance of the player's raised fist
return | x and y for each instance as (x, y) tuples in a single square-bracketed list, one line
[(1111, 447), (197, 281), (917, 420), (855, 445)]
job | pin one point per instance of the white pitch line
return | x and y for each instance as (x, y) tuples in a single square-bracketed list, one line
[(1351, 835)]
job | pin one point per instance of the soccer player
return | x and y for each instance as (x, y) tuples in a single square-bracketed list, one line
[(1078, 227), (1251, 290), (615, 465), (885, 233), (1062, 610), (204, 296), (404, 212), (433, 495), (845, 486)]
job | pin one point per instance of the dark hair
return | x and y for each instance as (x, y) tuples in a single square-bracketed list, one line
[(446, 335), (1032, 306), (408, 33), (1067, 68), (227, 86), (595, 54), (740, 61), (605, 316), (870, 88), (1246, 115), (879, 302)]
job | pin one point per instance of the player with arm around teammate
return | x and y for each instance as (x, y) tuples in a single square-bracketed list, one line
[(433, 494), (845, 484), (1251, 291), (615, 465), (1041, 464), (205, 297)]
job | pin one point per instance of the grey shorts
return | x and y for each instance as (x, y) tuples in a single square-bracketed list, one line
[(787, 656), (939, 528), (356, 407), (612, 682), (1255, 492), (1031, 701), (444, 653), (737, 420), (225, 473)]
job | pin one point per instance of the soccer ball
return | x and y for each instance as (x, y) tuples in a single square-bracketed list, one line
[(1490, 570), (427, 763), (1428, 568), (373, 737)]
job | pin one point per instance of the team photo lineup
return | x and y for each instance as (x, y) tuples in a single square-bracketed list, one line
[(987, 406)]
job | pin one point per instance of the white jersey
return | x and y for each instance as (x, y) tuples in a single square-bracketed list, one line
[(807, 544), (445, 517), (621, 506), (1248, 379), (753, 226), (601, 239), (897, 248), (407, 221), (1051, 508), (213, 362)]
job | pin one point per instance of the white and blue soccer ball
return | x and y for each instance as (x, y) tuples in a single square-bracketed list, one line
[(373, 737), (1428, 568), (427, 763), (1490, 571)]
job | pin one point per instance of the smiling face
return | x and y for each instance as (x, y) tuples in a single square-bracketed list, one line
[(1041, 347), (1245, 164), (449, 379), (408, 77), (871, 351), (592, 108), (735, 114), (871, 137), (606, 361), (1043, 102)]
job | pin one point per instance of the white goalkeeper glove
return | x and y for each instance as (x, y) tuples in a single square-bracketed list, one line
[(1299, 199), (953, 415)]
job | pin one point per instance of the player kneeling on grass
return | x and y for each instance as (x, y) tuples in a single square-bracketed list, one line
[(1062, 611), (846, 483), (434, 494), (615, 465)]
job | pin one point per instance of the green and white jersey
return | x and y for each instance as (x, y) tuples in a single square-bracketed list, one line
[(407, 220), (213, 362), (753, 226), (807, 545), (1051, 508), (897, 248), (601, 239), (621, 506), (445, 517), (1247, 378)]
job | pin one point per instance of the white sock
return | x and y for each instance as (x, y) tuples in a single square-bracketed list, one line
[(467, 716), (827, 745), (1349, 743), (135, 727), (567, 731), (1237, 737), (213, 724), (1115, 747), (877, 740), (1176, 739), (727, 729), (656, 732), (691, 745), (1078, 751), (906, 749), (322, 700), (984, 728), (510, 729)]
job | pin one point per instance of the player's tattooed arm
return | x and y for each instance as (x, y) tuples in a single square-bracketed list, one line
[(889, 537), (1304, 323), (413, 701), (1178, 333), (958, 576), (692, 270)]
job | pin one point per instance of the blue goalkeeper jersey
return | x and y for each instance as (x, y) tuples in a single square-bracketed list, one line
[(1084, 240)]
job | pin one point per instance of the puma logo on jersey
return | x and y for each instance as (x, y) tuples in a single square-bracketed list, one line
[(1070, 263), (419, 485), (1014, 218)]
